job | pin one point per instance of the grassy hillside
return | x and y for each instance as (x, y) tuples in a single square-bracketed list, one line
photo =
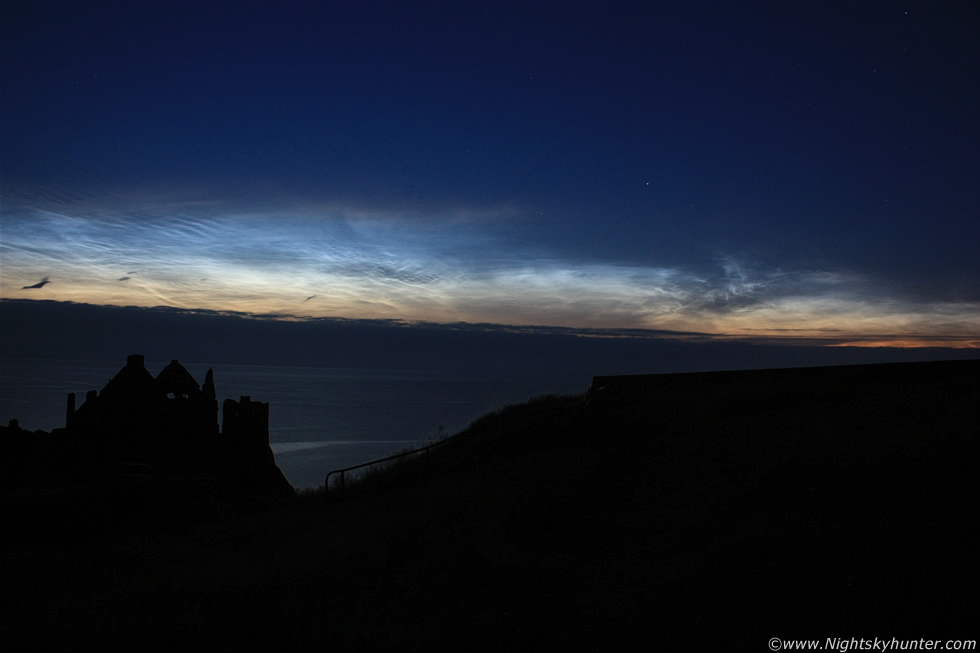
[(739, 506)]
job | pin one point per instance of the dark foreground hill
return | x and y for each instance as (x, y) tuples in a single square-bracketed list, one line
[(660, 511)]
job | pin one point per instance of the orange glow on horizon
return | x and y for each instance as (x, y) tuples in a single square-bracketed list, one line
[(914, 343)]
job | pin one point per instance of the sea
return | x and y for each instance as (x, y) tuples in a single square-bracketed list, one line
[(320, 419)]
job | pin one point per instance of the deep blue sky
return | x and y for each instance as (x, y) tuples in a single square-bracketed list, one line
[(740, 169)]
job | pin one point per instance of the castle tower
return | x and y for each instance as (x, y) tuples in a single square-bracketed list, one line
[(70, 410)]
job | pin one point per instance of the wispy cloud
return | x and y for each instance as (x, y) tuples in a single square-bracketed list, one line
[(446, 268)]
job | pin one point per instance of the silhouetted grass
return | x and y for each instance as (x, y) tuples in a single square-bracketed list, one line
[(411, 463), (736, 507)]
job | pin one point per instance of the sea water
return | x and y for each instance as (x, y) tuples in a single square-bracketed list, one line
[(320, 419)]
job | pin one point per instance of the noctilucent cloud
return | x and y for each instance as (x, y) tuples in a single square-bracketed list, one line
[(797, 171)]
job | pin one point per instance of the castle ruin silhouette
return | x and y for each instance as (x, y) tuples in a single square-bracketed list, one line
[(169, 425)]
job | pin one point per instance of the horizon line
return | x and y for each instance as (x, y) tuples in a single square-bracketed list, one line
[(814, 338)]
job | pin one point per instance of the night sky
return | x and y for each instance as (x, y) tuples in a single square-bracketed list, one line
[(794, 172)]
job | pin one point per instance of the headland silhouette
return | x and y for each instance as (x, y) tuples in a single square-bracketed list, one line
[(672, 511)]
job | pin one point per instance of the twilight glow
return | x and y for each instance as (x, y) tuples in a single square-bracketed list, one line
[(327, 261), (795, 173)]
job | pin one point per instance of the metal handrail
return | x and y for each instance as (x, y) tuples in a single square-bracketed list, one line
[(425, 449), (343, 471)]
